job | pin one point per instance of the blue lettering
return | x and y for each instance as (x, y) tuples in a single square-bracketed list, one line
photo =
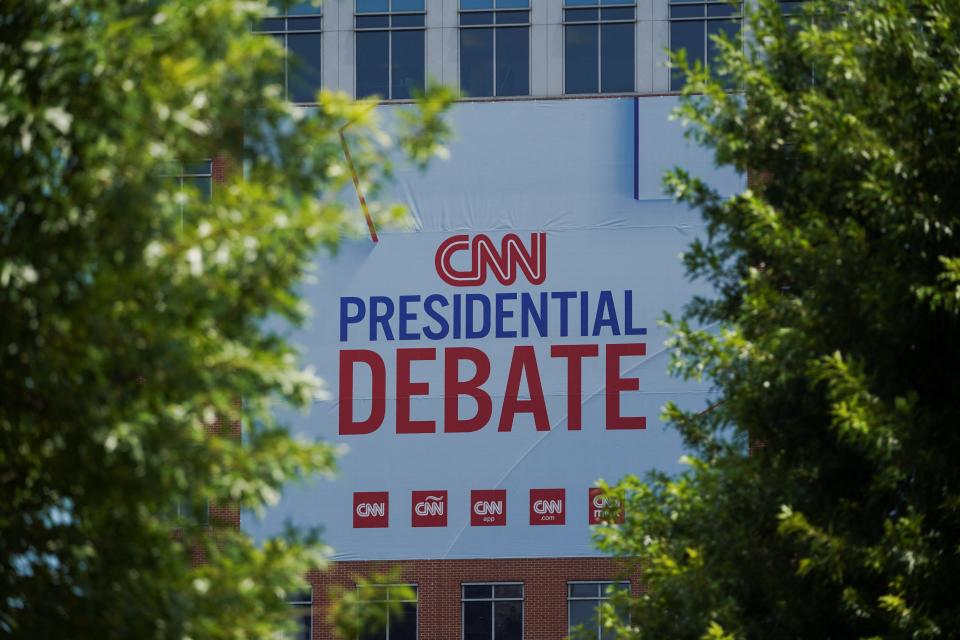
[(444, 326), (564, 297), (382, 319), (528, 311), (502, 314), (606, 314), (346, 318), (485, 315), (629, 329), (407, 316)]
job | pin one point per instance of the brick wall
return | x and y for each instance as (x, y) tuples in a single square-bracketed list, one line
[(544, 579)]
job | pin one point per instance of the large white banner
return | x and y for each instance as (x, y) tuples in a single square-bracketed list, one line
[(485, 375)]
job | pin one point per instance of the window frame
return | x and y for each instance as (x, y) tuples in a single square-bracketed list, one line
[(495, 26), (285, 34), (389, 29), (387, 589), (705, 19), (181, 175), (493, 599), (298, 604), (600, 598), (599, 22)]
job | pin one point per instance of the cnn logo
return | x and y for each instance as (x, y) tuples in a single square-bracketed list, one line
[(601, 506), (548, 506), (488, 508), (428, 509), (371, 509), (483, 255)]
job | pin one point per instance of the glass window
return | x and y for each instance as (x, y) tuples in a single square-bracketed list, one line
[(492, 611), (398, 626), (599, 46), (495, 47), (190, 182), (302, 611), (390, 44), (691, 26), (297, 29), (584, 600)]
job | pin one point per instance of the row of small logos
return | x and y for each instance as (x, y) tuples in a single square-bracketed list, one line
[(488, 508)]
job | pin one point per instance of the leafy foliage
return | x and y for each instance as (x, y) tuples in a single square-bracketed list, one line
[(822, 498), (130, 325)]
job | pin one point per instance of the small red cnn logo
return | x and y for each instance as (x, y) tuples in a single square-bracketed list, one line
[(428, 509), (488, 508), (504, 263), (371, 509), (598, 505), (548, 506)]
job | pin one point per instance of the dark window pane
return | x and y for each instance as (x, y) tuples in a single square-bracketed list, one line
[(620, 13), (615, 1), (404, 627), (413, 20), (303, 624), (476, 621), (730, 28), (372, 6), (790, 8), (513, 4), (513, 62), (202, 167), (476, 67), (305, 24), (508, 591), (616, 58), (580, 15), (304, 66), (376, 611), (513, 17), (688, 36), (575, 3), (372, 22), (303, 8), (580, 59), (477, 591), (690, 11), (373, 59), (271, 24), (508, 620), (483, 17), (407, 5), (584, 590), (476, 4), (720, 10), (408, 64), (583, 613)]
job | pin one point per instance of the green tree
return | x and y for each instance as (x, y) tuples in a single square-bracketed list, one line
[(822, 498), (130, 328)]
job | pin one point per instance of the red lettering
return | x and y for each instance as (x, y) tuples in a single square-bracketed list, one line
[(616, 384), (454, 388), (574, 353), (524, 363), (407, 388), (378, 401)]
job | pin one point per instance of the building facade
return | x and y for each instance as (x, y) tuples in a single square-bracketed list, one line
[(490, 364), (494, 48)]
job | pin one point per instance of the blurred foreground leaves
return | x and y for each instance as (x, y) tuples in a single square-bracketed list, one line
[(132, 317), (822, 496)]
